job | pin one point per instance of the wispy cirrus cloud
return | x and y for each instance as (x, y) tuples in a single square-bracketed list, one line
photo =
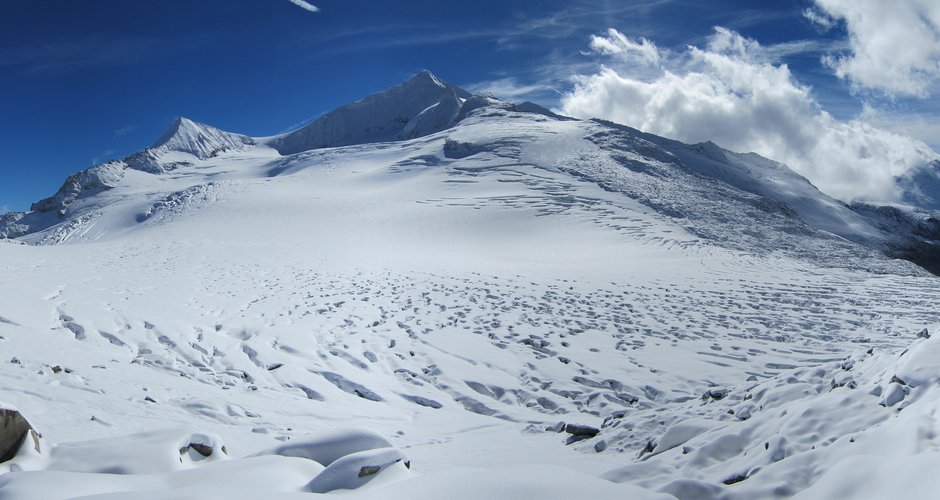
[(512, 89), (304, 5), (103, 157), (60, 57), (122, 131)]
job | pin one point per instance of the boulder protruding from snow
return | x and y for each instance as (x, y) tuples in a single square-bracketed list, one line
[(357, 469), (581, 430), (14, 431)]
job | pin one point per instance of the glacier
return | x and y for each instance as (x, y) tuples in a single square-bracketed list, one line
[(462, 280)]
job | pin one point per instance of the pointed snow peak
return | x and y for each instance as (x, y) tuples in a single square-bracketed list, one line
[(181, 127), (198, 139), (427, 77), (424, 83), (422, 105)]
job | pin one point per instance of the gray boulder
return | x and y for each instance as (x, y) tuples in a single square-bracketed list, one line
[(14, 430)]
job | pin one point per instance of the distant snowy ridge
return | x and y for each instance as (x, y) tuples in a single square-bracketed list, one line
[(425, 105)]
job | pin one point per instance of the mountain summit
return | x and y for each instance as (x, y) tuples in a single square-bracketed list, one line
[(420, 106), (200, 140)]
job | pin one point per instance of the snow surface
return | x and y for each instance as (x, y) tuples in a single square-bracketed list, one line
[(215, 329)]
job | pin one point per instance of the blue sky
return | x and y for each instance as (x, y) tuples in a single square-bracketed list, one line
[(85, 82)]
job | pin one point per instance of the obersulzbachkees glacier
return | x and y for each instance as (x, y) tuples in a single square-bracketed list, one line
[(433, 294)]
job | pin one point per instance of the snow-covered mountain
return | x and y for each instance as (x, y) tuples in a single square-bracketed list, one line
[(196, 139), (464, 277), (674, 179), (422, 105)]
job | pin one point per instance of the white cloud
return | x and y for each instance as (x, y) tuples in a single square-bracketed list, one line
[(615, 43), (304, 5), (923, 126), (511, 89), (894, 46), (119, 132), (730, 94), (818, 18)]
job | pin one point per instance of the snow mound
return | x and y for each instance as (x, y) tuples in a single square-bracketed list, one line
[(357, 469), (330, 445), (165, 462), (145, 453)]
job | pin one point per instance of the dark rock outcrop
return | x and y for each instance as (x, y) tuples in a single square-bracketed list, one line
[(14, 430)]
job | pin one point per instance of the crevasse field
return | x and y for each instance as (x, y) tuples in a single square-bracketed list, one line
[(421, 318)]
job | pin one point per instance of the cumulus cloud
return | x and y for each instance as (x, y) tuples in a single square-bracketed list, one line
[(894, 46), (731, 92), (922, 125), (304, 5)]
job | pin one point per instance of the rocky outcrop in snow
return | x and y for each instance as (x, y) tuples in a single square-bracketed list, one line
[(11, 227), (83, 184), (15, 432)]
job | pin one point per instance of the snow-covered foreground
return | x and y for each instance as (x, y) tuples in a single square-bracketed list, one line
[(420, 319)]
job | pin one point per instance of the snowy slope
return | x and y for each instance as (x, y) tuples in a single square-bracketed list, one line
[(756, 174), (420, 106), (460, 293)]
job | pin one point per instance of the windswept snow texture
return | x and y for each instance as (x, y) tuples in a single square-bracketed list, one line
[(457, 298)]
